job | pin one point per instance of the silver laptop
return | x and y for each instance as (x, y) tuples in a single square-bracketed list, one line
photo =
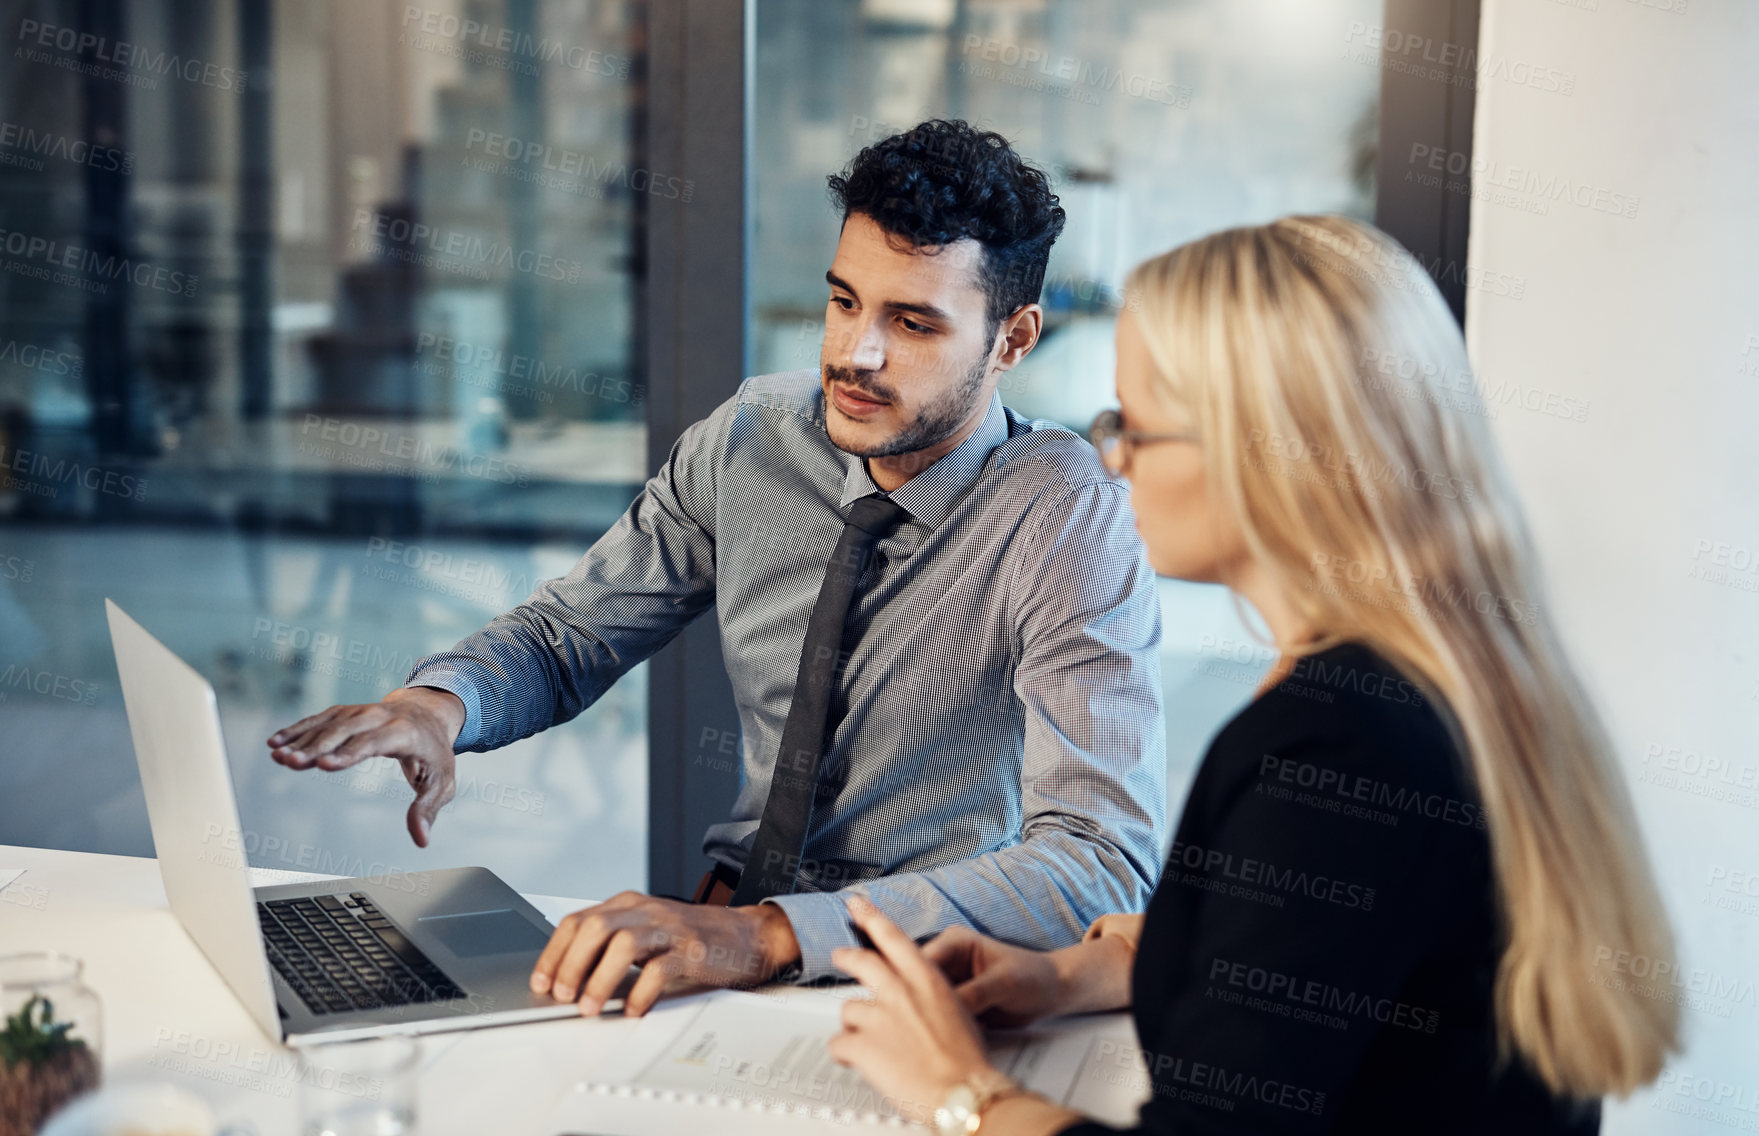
[(413, 952)]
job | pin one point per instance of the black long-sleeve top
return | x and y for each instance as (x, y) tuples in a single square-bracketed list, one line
[(1320, 951)]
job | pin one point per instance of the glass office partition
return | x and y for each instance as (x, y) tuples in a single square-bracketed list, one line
[(316, 352), (1158, 121)]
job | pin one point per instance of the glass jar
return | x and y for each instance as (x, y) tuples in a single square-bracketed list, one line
[(359, 1088), (51, 1038)]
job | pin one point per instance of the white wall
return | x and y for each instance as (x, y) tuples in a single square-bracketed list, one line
[(1639, 296)]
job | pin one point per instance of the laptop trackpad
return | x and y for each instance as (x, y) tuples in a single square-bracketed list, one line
[(472, 933)]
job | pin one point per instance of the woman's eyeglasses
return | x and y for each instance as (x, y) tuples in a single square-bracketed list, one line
[(1115, 443)]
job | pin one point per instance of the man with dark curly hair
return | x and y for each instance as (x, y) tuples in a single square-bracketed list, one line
[(939, 622)]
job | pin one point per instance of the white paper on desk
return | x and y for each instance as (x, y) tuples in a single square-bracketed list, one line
[(7, 875), (768, 1058), (765, 1058), (1112, 1082)]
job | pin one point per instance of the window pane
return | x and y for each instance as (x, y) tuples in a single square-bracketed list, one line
[(316, 352), (1158, 121)]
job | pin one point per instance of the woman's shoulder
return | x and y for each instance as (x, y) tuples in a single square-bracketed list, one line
[(1348, 722)]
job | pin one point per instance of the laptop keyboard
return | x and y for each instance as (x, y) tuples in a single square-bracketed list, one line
[(340, 958)]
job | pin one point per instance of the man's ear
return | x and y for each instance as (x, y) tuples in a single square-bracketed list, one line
[(1018, 333)]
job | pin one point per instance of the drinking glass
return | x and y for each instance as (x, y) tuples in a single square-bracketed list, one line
[(359, 1088)]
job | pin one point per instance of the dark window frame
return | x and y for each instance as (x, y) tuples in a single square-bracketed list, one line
[(1424, 117), (694, 314)]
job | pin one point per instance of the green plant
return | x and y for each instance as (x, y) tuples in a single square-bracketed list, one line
[(36, 1038)]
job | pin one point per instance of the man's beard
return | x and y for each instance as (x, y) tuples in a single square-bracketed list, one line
[(936, 422)]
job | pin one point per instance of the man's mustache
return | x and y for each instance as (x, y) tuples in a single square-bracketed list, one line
[(861, 380)]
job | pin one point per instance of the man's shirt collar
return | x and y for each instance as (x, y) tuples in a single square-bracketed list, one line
[(931, 495)]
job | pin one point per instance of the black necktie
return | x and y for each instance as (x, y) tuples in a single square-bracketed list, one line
[(775, 853)]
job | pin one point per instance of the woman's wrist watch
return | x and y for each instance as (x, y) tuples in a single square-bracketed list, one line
[(961, 1110)]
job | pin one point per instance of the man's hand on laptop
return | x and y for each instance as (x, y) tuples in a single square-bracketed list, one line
[(416, 725), (592, 950)]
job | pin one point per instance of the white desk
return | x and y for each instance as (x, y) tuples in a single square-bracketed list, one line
[(168, 1016)]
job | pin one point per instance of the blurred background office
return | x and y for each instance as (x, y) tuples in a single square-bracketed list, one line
[(329, 327)]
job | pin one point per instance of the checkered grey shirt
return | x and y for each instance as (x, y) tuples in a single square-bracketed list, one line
[(997, 754)]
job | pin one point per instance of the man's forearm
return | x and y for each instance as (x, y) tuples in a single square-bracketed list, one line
[(781, 949), (1020, 895), (515, 680), (554, 654)]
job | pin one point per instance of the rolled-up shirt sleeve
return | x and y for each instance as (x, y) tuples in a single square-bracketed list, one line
[(551, 657), (1093, 775)]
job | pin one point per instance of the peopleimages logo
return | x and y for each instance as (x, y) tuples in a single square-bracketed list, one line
[(49, 685), (1710, 1093), (1723, 563), (574, 163), (1246, 870), (1339, 676), (372, 447), (483, 360), (50, 472), (467, 34), (53, 254), (1311, 1000), (1324, 782), (276, 1073), (454, 250), (1732, 889), (1198, 1082), (235, 847), (1480, 395), (33, 145), (132, 56), (312, 644), (34, 358), (1085, 78), (1393, 49), (1367, 470), (1693, 987), (1540, 190), (1382, 586), (434, 565)]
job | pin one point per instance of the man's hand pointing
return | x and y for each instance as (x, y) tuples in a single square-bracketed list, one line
[(416, 725)]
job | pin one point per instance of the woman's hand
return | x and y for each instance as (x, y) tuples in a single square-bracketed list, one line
[(1125, 927), (914, 1040), (1002, 986)]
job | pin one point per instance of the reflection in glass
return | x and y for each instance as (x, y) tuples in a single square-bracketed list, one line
[(316, 352)]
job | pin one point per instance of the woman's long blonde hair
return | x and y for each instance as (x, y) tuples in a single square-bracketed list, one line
[(1342, 429)]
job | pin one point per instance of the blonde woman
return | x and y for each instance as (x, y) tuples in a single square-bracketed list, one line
[(1399, 864)]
